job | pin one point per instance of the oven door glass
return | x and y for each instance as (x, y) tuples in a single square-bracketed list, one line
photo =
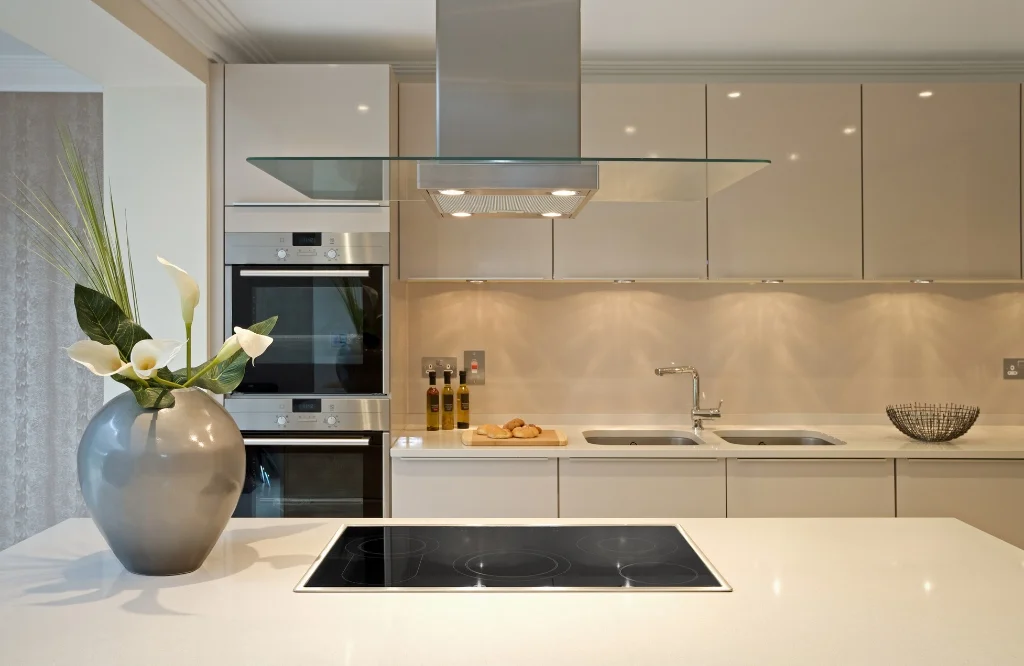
[(316, 475), (329, 337)]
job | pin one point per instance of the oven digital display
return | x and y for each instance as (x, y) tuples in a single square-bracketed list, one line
[(307, 239), (306, 405)]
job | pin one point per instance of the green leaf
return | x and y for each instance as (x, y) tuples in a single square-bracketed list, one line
[(227, 375), (103, 321), (148, 397)]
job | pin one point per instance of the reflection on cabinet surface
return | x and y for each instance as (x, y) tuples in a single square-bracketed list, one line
[(988, 494), (801, 216), (471, 248), (942, 179), (810, 488), (665, 240), (641, 488)]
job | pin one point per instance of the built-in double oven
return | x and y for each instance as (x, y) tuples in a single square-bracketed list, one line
[(313, 409)]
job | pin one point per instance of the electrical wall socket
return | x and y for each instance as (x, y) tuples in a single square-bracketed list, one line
[(473, 364), (1013, 368), (439, 364)]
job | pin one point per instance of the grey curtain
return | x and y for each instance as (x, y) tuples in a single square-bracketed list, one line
[(45, 399)]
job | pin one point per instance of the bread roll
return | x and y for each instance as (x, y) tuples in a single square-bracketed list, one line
[(526, 432), (514, 423), (488, 428), (500, 433), (539, 429)]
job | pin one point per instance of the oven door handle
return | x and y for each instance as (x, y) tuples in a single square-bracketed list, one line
[(289, 441), (302, 272)]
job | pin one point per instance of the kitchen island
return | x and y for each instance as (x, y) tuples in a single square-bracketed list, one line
[(805, 591)]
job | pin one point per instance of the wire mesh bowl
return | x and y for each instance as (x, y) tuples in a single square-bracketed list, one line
[(932, 423)]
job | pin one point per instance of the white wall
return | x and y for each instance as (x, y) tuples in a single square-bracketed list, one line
[(155, 166)]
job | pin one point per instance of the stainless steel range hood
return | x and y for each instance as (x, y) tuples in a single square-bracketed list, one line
[(508, 84), (508, 129)]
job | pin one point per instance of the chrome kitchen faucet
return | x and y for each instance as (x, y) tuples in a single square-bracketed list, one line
[(697, 413)]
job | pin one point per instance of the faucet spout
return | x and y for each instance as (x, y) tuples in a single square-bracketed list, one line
[(697, 413)]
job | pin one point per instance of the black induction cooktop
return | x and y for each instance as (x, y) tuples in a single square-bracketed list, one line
[(468, 557)]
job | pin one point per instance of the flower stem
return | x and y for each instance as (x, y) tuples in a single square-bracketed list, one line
[(188, 351), (202, 371), (164, 382)]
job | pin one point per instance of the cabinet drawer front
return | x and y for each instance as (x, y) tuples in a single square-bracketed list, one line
[(474, 487), (802, 487), (988, 494), (642, 488)]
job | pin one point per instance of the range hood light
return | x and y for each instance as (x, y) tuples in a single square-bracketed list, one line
[(461, 213), (453, 193), (552, 214), (564, 193)]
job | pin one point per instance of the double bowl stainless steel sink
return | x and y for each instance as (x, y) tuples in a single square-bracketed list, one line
[(760, 437)]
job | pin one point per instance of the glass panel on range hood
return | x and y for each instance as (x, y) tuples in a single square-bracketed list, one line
[(620, 179)]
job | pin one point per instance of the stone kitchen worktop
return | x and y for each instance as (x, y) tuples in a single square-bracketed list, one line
[(806, 592), (860, 441)]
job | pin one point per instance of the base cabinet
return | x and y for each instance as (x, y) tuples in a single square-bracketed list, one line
[(641, 488), (811, 488), (988, 494), (424, 487)]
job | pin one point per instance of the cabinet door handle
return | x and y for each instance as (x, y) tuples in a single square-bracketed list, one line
[(325, 203), (289, 441), (835, 460), (644, 459), (962, 460), (299, 272), (472, 458)]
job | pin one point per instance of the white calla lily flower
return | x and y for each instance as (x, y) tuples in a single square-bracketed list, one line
[(148, 356), (187, 289), (253, 344), (103, 360)]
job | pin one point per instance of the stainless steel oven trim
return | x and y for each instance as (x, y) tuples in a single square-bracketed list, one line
[(302, 272), (386, 468), (319, 203), (305, 441), (723, 584)]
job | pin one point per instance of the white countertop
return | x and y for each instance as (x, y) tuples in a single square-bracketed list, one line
[(867, 441), (806, 592)]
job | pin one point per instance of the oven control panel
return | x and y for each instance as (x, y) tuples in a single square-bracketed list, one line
[(308, 413), (307, 247)]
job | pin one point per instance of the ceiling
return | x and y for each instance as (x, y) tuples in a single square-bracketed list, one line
[(616, 30), (24, 69)]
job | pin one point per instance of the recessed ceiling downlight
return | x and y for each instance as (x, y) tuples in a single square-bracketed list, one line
[(564, 193), (551, 214), (452, 193), (461, 213)]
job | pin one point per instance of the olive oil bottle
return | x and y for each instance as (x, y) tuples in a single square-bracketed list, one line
[(447, 403), (433, 403), (462, 406)]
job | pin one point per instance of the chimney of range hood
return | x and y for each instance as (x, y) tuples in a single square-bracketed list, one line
[(508, 87)]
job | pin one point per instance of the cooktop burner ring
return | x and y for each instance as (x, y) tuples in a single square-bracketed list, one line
[(658, 574), (547, 565), (625, 547), (374, 547)]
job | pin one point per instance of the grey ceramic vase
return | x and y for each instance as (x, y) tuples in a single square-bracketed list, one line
[(161, 484)]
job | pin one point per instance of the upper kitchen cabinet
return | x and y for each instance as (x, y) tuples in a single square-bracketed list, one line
[(663, 240), (801, 217), (434, 248), (299, 111), (942, 181)]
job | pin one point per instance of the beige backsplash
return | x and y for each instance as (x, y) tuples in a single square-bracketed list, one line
[(836, 349)]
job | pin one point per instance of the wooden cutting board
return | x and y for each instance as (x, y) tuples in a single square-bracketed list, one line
[(546, 438)]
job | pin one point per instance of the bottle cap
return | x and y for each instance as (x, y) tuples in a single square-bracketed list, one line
[(433, 377), (462, 376), (447, 376)]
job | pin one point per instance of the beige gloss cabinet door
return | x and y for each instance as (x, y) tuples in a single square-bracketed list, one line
[(424, 487), (942, 179), (295, 110), (641, 488), (988, 494), (810, 488), (800, 217), (449, 248), (662, 240)]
